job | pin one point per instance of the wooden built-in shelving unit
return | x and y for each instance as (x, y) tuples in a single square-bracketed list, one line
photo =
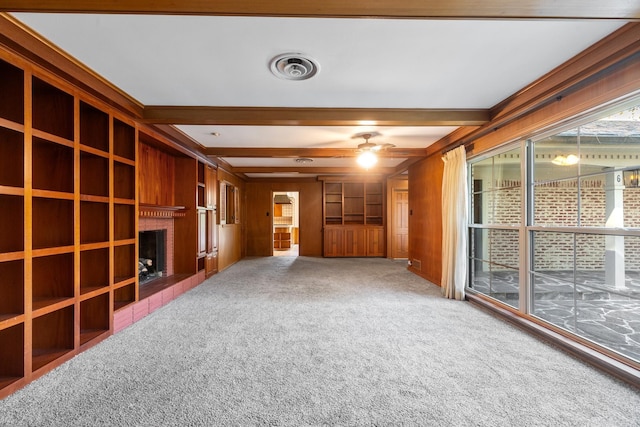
[(354, 221), (68, 251)]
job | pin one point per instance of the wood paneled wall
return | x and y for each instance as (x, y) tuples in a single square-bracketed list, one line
[(230, 236), (258, 225), (156, 176), (425, 218)]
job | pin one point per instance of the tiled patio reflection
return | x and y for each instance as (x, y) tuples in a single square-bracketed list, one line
[(590, 309)]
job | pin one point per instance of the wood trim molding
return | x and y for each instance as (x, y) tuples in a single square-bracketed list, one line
[(312, 170), (281, 116), (493, 9)]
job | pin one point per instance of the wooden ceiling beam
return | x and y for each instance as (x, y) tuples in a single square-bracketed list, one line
[(419, 9), (308, 152), (283, 116)]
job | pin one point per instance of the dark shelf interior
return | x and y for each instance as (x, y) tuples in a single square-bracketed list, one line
[(94, 175), (11, 354), (12, 224), (11, 157), (94, 317), (12, 90), (52, 166), (124, 181), (124, 222), (52, 110), (52, 222), (94, 269), (125, 262), (52, 336), (94, 127), (124, 140), (12, 289), (124, 296), (52, 278), (94, 222)]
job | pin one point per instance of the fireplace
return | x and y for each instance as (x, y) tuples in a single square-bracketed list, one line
[(152, 255)]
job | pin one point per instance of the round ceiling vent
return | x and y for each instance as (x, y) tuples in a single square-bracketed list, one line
[(293, 66)]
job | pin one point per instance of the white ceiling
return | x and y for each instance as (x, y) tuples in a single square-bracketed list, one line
[(365, 63)]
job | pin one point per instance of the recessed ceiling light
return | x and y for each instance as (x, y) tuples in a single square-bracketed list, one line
[(294, 66), (215, 133)]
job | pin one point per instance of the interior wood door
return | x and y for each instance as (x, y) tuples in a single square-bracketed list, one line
[(400, 224)]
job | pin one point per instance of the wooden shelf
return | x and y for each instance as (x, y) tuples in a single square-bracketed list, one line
[(125, 263), (12, 276), (94, 128), (52, 110), (94, 269), (52, 336), (94, 317), (11, 157), (124, 140), (12, 90), (124, 296), (52, 279), (94, 175), (124, 222), (124, 181), (48, 212), (12, 355), (94, 222), (11, 223), (51, 165)]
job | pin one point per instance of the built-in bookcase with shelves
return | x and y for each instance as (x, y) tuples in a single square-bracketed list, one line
[(68, 245), (353, 217)]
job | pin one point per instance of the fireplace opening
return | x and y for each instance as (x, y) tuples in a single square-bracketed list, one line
[(151, 255)]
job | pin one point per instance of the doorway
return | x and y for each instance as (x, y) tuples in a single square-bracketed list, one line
[(286, 223), (400, 224)]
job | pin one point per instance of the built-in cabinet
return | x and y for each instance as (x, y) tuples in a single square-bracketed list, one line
[(354, 220), (68, 239)]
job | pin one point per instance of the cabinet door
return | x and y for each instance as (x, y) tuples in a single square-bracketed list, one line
[(375, 241), (211, 264), (355, 242), (333, 242)]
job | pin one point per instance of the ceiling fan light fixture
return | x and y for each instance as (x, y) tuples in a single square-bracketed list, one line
[(294, 66), (367, 159)]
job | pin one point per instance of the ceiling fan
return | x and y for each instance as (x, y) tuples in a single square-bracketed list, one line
[(370, 146), (367, 150)]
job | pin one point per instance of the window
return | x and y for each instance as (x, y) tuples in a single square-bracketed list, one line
[(494, 240), (575, 230)]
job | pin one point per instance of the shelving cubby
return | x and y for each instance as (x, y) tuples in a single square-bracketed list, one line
[(94, 270), (124, 296), (52, 280), (94, 317), (12, 355), (12, 90), (333, 203), (52, 109), (11, 289), (124, 181), (94, 128), (52, 336), (51, 165), (124, 221), (12, 223), (124, 140), (94, 175), (52, 223), (124, 263), (94, 222), (11, 157)]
